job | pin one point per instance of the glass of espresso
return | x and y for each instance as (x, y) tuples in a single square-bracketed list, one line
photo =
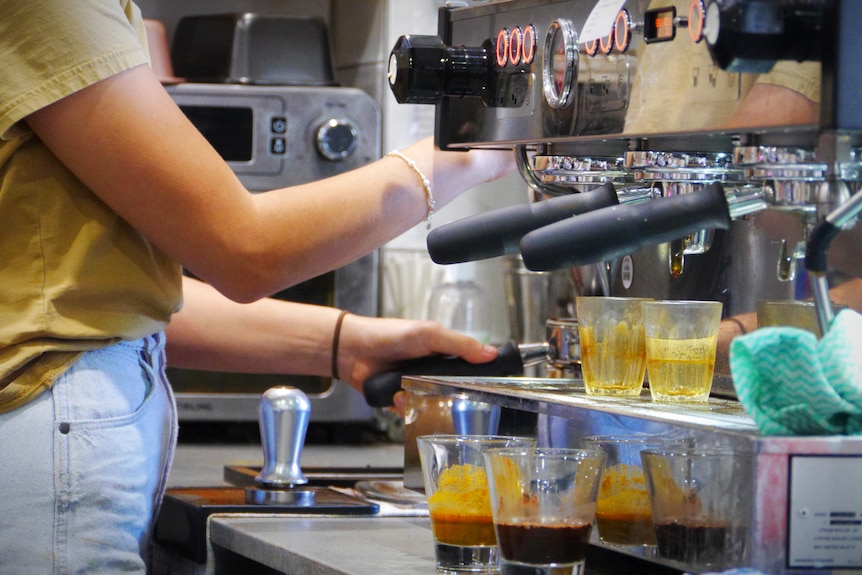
[(543, 501), (701, 503), (453, 471), (623, 515)]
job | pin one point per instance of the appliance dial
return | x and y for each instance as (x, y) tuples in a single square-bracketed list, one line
[(423, 70), (751, 35), (336, 139), (560, 65)]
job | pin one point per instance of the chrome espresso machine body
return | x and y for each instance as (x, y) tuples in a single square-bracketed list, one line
[(707, 150), (662, 100)]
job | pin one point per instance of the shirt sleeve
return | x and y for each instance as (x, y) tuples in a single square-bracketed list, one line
[(53, 48)]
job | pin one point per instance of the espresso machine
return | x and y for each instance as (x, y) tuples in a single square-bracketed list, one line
[(674, 149), (662, 100)]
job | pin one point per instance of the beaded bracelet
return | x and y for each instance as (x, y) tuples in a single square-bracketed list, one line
[(426, 184)]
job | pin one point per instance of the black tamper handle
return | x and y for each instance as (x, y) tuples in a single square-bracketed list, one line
[(379, 389), (498, 232), (615, 231)]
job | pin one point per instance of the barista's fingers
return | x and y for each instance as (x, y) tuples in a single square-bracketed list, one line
[(399, 403), (373, 345), (446, 342)]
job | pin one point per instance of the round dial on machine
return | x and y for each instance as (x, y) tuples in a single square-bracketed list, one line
[(336, 139), (560, 64)]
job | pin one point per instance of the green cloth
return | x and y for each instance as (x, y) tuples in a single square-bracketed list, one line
[(792, 384)]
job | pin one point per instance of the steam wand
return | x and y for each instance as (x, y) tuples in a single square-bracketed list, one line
[(817, 247)]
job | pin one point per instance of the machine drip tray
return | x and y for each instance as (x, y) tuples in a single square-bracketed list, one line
[(182, 522)]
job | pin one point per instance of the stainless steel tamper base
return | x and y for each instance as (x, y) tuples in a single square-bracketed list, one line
[(284, 413), (289, 496)]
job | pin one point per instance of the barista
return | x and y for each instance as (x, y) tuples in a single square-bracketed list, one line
[(106, 189)]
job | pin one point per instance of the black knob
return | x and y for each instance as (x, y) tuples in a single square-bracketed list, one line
[(423, 70), (751, 35)]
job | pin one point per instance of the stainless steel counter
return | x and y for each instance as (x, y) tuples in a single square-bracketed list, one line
[(204, 466)]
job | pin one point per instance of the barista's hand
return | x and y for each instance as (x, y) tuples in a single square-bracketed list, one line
[(373, 345), (727, 331)]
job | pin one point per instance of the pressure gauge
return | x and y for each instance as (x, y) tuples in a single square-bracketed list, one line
[(560, 64)]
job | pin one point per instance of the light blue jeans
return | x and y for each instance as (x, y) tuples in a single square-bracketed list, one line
[(83, 466)]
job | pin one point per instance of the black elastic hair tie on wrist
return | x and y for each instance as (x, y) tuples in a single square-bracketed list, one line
[(335, 337)]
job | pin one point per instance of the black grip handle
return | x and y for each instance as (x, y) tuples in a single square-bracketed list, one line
[(613, 232), (379, 389), (498, 232)]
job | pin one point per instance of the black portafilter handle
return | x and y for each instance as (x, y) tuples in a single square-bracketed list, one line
[(615, 231), (379, 389), (498, 232)]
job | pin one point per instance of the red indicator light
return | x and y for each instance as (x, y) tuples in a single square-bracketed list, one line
[(606, 44), (696, 18), (515, 45), (529, 44), (622, 31), (592, 47), (502, 47)]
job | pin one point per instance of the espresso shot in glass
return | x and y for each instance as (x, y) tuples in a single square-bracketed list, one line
[(544, 506), (459, 504)]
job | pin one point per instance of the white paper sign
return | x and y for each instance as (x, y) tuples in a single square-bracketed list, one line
[(601, 20), (825, 514)]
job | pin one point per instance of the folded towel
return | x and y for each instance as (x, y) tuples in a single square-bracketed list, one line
[(792, 384)]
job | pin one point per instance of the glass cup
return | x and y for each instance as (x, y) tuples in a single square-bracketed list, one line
[(681, 339), (613, 357), (544, 505), (458, 502), (792, 313), (701, 503), (623, 515)]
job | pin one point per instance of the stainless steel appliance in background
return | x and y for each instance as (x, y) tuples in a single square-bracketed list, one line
[(277, 121), (649, 95)]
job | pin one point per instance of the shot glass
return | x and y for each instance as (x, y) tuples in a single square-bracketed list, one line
[(458, 499), (623, 515), (681, 339), (701, 505), (544, 505), (613, 356)]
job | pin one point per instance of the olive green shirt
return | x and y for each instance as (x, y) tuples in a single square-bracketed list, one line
[(74, 276)]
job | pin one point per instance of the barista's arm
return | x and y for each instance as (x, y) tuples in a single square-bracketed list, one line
[(212, 332), (848, 293), (774, 105)]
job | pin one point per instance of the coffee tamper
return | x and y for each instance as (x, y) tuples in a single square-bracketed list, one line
[(283, 413)]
